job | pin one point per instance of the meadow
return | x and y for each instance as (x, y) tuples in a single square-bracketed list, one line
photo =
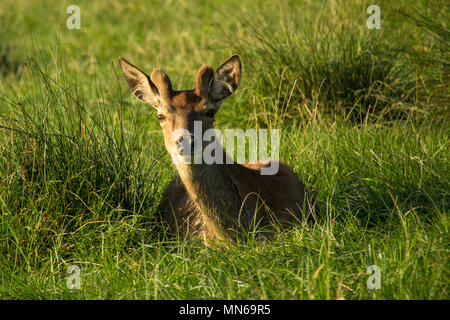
[(363, 115)]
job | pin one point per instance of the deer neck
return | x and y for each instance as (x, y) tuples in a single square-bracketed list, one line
[(214, 193)]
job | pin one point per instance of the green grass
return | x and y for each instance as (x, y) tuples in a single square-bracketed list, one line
[(364, 123)]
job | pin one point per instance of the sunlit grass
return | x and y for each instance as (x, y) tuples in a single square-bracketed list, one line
[(363, 123)]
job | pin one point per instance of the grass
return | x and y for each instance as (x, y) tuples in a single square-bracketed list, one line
[(364, 122)]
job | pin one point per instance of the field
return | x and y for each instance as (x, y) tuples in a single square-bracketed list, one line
[(363, 115)]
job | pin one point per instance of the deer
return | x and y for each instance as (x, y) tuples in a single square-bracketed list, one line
[(214, 202)]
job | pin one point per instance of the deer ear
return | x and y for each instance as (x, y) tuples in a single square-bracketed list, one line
[(140, 83), (226, 79)]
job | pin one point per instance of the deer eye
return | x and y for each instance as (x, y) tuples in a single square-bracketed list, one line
[(161, 117), (210, 113)]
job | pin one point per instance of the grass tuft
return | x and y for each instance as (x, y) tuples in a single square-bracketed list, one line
[(364, 123)]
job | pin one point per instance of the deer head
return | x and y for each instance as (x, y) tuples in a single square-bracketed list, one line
[(179, 111)]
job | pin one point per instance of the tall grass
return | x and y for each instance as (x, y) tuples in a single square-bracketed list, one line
[(301, 62), (432, 18), (363, 119)]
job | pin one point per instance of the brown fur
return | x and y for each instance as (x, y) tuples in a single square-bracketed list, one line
[(217, 200)]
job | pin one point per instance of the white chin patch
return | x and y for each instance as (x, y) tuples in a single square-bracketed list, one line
[(178, 158)]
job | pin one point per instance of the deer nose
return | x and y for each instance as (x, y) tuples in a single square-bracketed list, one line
[(179, 140), (185, 144)]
